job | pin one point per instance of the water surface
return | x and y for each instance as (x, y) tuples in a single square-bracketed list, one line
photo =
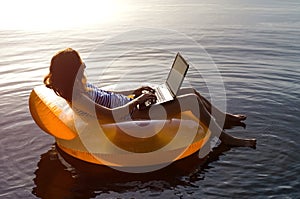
[(255, 46)]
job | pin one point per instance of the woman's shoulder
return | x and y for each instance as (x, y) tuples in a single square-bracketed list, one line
[(93, 88)]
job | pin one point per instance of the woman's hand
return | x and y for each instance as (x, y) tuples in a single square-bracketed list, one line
[(144, 89), (145, 100)]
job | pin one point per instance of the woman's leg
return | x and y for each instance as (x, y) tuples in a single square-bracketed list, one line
[(191, 102), (223, 119)]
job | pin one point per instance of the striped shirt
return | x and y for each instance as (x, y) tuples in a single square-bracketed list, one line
[(106, 98), (102, 97)]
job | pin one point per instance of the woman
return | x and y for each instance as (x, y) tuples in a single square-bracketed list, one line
[(66, 78)]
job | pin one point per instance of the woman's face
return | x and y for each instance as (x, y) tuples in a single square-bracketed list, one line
[(81, 80), (81, 73)]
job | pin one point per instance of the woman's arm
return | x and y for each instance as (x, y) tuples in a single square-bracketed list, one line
[(108, 115), (126, 93), (136, 92)]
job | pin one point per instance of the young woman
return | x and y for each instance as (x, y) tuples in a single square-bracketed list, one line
[(67, 79)]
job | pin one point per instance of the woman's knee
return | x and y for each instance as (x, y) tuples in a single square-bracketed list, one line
[(189, 100), (186, 90)]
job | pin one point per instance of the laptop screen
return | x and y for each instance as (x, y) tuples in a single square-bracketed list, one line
[(177, 74)]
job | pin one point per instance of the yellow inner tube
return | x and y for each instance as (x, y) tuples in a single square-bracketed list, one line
[(124, 144)]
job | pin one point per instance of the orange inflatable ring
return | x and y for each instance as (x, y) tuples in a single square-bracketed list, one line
[(160, 141)]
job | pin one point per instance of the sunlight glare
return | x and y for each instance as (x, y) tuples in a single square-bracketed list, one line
[(57, 14)]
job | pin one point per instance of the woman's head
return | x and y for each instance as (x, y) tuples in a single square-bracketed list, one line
[(64, 69)]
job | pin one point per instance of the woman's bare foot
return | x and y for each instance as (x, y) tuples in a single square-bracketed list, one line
[(250, 143), (237, 117), (229, 125), (234, 120), (237, 142)]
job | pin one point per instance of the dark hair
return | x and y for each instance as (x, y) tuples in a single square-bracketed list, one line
[(63, 71)]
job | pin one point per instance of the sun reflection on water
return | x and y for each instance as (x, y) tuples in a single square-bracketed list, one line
[(56, 14)]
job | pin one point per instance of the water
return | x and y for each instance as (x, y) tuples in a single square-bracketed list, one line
[(254, 44)]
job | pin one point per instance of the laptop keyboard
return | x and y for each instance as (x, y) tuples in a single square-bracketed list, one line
[(162, 94), (159, 95)]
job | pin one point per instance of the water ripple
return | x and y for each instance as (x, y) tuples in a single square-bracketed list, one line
[(257, 55)]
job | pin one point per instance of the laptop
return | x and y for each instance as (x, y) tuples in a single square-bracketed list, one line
[(168, 91)]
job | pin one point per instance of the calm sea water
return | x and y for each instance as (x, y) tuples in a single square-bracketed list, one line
[(256, 48)]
